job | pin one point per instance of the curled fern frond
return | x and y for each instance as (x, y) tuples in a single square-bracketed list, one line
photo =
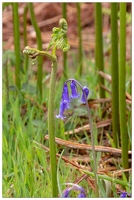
[(63, 25), (32, 54), (59, 36)]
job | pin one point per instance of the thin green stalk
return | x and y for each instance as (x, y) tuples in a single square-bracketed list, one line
[(7, 81), (99, 45), (51, 117), (59, 40), (122, 89), (16, 44), (25, 35), (80, 55), (51, 128), (92, 141), (93, 150), (115, 73), (39, 42), (105, 177), (64, 15)]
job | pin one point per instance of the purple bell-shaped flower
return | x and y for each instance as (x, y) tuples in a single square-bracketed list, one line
[(75, 187), (63, 106), (74, 93), (65, 94), (86, 91)]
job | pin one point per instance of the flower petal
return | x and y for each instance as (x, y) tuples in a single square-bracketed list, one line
[(86, 91), (81, 195), (74, 93), (65, 94), (63, 106)]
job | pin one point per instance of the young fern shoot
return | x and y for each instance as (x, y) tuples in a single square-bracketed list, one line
[(59, 41)]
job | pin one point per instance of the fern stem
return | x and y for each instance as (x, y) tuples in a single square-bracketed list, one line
[(51, 130)]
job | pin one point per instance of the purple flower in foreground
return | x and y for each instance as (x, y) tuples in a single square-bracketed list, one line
[(65, 94), (123, 195), (81, 195), (66, 193), (75, 187), (86, 91), (74, 93), (63, 106)]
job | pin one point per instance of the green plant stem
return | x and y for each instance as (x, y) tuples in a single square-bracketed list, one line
[(115, 73), (16, 44), (92, 141), (7, 81), (51, 129), (39, 42), (64, 15), (93, 150), (25, 35), (51, 118), (80, 56), (99, 45), (105, 177), (122, 80)]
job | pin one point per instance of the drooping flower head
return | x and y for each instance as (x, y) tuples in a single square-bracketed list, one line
[(65, 93), (124, 194), (63, 106), (74, 187), (86, 91), (65, 100), (74, 93)]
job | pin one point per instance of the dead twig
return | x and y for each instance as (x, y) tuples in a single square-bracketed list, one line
[(86, 146)]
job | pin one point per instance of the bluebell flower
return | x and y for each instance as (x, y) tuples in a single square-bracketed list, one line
[(81, 195), (74, 93), (74, 187), (66, 193), (65, 100), (63, 106), (86, 91), (123, 195), (65, 94)]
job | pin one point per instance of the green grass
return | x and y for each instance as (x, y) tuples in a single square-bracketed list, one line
[(26, 166)]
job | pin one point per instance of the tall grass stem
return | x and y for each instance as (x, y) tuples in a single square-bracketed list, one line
[(99, 45), (115, 72), (64, 15), (122, 83), (25, 35), (80, 54), (16, 44), (39, 42)]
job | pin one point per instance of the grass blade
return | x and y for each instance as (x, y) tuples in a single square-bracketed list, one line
[(114, 70), (39, 42), (99, 45), (122, 92), (16, 44)]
